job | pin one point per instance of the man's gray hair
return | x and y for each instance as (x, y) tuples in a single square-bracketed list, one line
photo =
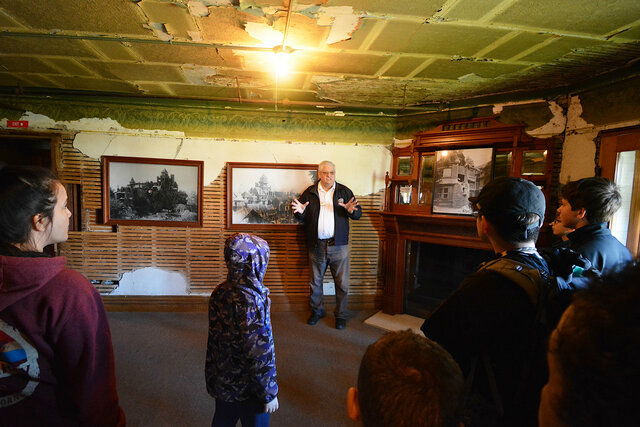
[(326, 162)]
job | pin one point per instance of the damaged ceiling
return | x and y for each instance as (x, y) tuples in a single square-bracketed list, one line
[(366, 54)]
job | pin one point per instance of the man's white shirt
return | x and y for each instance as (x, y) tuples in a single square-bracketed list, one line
[(326, 223)]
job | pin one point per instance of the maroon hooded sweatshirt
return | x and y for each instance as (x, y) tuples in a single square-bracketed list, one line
[(56, 358)]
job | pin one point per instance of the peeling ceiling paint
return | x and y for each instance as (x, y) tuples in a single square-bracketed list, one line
[(342, 20), (371, 54)]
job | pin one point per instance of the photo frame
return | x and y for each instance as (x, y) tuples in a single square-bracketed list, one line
[(460, 174), (259, 195), (157, 192)]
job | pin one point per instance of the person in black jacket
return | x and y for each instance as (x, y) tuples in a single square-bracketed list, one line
[(488, 321), (586, 206), (325, 208)]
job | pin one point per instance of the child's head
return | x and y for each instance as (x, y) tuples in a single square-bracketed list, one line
[(33, 211), (407, 380), (515, 208), (588, 201), (247, 257)]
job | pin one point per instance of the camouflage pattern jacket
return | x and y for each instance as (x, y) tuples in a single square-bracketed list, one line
[(241, 362)]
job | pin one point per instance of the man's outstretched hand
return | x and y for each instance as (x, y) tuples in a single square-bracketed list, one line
[(350, 206), (298, 207)]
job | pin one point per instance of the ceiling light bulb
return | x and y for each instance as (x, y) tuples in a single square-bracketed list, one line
[(281, 62)]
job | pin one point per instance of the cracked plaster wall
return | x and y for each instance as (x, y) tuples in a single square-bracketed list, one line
[(360, 166), (580, 117)]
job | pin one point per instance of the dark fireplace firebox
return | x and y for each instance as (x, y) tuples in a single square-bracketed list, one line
[(433, 272)]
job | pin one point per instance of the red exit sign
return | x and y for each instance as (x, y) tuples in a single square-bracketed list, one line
[(17, 123)]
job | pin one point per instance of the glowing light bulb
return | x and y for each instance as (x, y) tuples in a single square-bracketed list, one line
[(444, 153), (281, 63)]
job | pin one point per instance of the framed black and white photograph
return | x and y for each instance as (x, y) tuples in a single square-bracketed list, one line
[(259, 195), (145, 191), (460, 174)]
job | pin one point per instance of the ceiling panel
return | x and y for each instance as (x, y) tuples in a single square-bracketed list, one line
[(201, 55), (69, 67), (41, 45), (117, 50), (416, 8), (589, 17), (471, 9), (452, 39), (353, 52), (442, 69), (404, 66), (559, 47), (519, 43), (339, 63), (101, 16), (89, 84), (25, 64), (395, 36), (142, 72)]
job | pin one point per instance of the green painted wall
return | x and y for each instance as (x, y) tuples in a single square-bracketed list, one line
[(202, 120)]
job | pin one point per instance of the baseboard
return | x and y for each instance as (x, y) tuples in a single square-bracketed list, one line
[(200, 303)]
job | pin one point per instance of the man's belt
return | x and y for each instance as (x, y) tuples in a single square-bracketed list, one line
[(328, 242)]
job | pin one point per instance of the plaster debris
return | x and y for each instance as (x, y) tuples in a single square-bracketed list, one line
[(196, 36), (152, 281), (497, 109), (342, 19), (402, 142), (198, 8), (198, 74), (39, 121), (574, 115), (161, 31), (249, 6), (555, 126), (265, 33)]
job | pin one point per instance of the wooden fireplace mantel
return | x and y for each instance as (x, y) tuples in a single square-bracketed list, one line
[(414, 181)]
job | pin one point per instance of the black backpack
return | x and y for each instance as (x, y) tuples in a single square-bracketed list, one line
[(550, 295)]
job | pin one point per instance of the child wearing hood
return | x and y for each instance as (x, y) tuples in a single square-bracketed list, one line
[(240, 369)]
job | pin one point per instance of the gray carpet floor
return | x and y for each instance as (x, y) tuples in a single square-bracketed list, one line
[(160, 368)]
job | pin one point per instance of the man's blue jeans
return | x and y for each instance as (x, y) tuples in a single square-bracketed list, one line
[(337, 258)]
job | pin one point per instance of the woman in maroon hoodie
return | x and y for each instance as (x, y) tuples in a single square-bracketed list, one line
[(56, 358)]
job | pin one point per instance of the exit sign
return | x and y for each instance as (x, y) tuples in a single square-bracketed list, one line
[(17, 123)]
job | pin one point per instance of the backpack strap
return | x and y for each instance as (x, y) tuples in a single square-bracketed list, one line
[(529, 279)]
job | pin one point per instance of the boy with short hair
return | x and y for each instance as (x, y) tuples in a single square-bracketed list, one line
[(586, 206), (490, 320), (406, 380)]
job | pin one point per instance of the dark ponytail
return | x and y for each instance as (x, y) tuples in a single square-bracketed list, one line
[(24, 192)]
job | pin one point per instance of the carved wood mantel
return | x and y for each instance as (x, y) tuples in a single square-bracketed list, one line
[(408, 215)]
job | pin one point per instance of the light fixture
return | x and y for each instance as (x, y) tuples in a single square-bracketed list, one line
[(282, 53), (281, 60)]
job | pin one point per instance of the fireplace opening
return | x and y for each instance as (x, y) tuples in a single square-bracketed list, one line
[(433, 272)]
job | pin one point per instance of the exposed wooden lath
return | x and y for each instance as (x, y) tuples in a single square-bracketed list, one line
[(100, 253)]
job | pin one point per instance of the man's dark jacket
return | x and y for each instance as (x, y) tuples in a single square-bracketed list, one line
[(595, 243), (341, 215)]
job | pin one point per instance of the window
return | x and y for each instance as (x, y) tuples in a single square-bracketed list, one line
[(620, 161)]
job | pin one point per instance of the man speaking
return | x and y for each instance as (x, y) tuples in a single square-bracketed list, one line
[(325, 208)]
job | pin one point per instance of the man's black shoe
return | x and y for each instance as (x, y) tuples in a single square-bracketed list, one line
[(313, 319), (341, 323)]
